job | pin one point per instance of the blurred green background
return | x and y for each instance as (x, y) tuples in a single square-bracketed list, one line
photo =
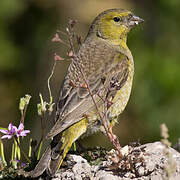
[(26, 58)]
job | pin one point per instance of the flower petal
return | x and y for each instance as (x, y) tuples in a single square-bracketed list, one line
[(21, 126), (4, 131), (23, 165), (24, 133), (6, 136), (12, 129), (10, 126)]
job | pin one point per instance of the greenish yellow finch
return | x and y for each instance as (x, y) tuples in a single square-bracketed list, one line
[(108, 67)]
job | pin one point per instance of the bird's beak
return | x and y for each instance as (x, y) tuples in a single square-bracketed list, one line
[(135, 20)]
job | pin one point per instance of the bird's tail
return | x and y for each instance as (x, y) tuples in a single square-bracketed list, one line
[(54, 155), (42, 164)]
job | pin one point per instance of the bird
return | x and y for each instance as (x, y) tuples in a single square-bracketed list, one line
[(104, 63)]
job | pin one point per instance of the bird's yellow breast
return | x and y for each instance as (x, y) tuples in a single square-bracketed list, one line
[(120, 101), (122, 96)]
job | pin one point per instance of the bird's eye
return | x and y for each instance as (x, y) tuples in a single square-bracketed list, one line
[(116, 19)]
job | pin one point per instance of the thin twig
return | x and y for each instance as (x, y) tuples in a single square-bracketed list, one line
[(114, 140), (59, 31), (63, 41), (48, 83)]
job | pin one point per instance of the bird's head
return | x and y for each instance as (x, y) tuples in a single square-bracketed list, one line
[(114, 24)]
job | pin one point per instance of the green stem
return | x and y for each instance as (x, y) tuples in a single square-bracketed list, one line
[(23, 114), (43, 127), (74, 146), (18, 150), (2, 151), (15, 149), (30, 148), (39, 150), (12, 152), (24, 154), (48, 83)]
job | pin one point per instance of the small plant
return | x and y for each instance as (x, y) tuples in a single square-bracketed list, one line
[(170, 167), (17, 134), (44, 109), (16, 165)]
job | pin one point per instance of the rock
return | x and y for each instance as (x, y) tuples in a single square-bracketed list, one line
[(159, 163), (177, 146)]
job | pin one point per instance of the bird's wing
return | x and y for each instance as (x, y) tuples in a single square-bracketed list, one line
[(74, 101)]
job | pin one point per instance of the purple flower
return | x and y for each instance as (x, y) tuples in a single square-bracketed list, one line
[(10, 132), (20, 131), (23, 165), (13, 130)]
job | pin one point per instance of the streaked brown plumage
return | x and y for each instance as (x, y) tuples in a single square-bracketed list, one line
[(108, 66)]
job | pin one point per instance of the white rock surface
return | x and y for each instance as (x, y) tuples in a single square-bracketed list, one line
[(156, 161)]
